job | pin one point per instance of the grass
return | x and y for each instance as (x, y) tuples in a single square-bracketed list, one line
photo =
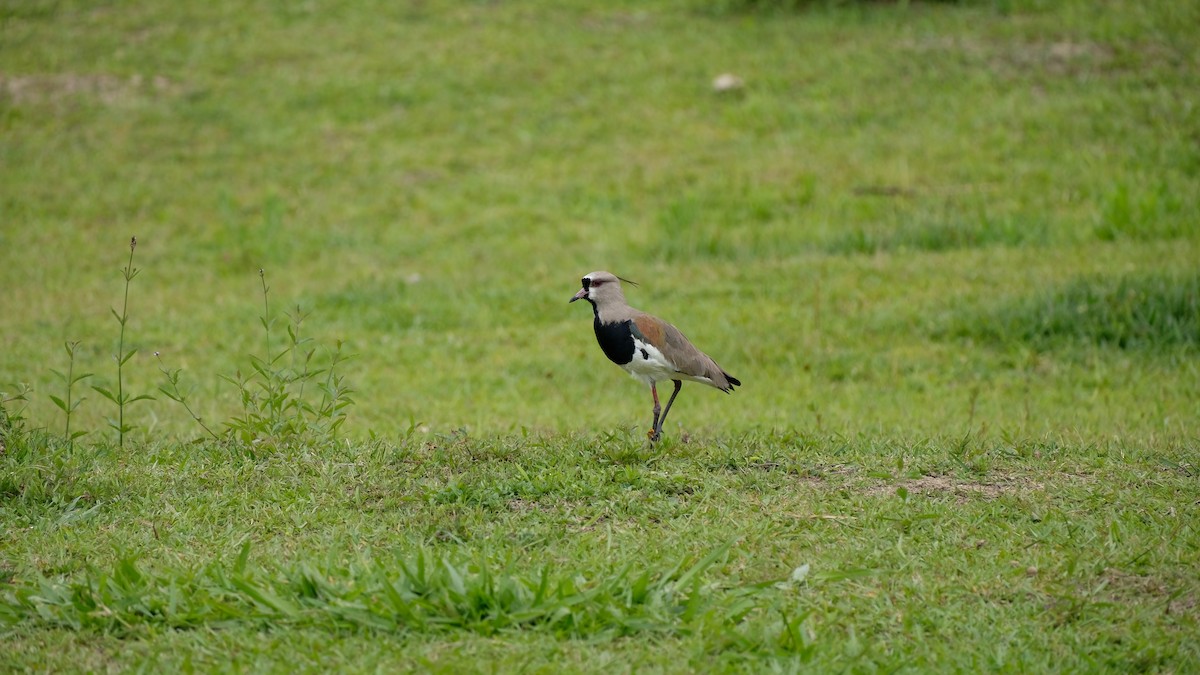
[(873, 550), (949, 247), (1148, 312), (426, 594), (65, 403), (120, 397)]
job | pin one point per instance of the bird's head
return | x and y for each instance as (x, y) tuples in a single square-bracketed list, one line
[(601, 288)]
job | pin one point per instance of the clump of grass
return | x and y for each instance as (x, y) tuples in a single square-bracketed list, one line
[(277, 396), (424, 593), (68, 404), (36, 470), (121, 398), (13, 421), (1151, 312), (284, 397), (1157, 213)]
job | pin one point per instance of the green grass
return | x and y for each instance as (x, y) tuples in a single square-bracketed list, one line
[(1153, 312), (949, 247), (756, 549)]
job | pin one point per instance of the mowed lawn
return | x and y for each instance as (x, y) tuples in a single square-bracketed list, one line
[(951, 250)]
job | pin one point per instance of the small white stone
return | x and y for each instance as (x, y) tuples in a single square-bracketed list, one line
[(727, 82)]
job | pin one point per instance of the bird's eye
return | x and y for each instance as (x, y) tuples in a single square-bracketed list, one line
[(596, 282)]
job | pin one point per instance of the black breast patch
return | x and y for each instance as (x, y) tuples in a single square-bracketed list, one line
[(616, 339)]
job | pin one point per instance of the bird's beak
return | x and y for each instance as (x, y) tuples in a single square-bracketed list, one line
[(578, 296)]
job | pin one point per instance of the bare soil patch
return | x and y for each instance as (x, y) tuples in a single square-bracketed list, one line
[(107, 89), (962, 490)]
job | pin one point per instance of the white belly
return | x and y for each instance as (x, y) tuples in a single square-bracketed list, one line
[(649, 365)]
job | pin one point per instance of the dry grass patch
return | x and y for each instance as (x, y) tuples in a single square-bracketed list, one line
[(1059, 57), (107, 89), (962, 490)]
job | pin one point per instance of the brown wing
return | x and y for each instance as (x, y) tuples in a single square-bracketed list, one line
[(680, 351)]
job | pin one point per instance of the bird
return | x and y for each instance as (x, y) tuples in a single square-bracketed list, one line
[(648, 348)]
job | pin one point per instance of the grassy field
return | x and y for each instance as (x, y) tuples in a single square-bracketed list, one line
[(951, 249)]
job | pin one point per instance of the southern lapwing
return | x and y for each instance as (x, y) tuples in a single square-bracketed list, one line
[(648, 348)]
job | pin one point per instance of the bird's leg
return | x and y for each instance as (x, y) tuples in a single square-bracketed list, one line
[(653, 433), (663, 419)]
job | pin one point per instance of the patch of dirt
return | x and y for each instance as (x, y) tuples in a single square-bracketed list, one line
[(107, 89), (524, 505), (1120, 580), (1059, 58), (815, 474), (1128, 587), (1065, 57), (961, 489), (616, 22)]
